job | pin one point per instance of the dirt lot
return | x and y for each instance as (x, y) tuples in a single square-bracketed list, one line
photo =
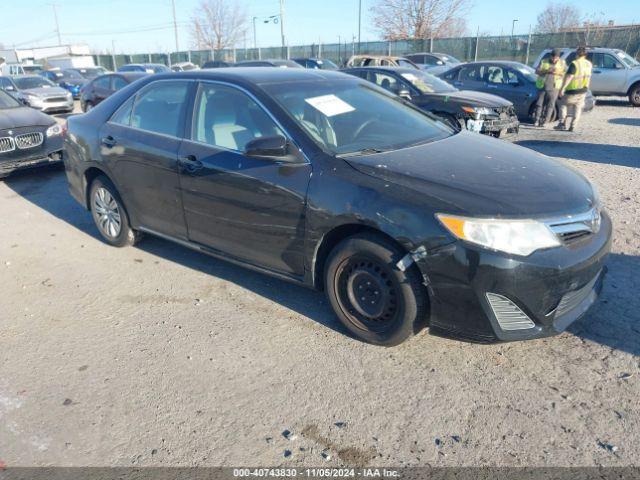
[(157, 355)]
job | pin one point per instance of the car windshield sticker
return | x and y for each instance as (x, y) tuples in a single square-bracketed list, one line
[(329, 105)]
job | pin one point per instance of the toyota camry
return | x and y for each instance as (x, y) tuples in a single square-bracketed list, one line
[(330, 181)]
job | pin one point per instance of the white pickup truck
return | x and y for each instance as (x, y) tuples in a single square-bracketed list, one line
[(615, 72)]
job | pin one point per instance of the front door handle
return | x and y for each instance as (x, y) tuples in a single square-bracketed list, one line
[(108, 141), (189, 163)]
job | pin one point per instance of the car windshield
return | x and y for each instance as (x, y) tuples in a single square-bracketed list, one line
[(427, 83), (326, 65), (25, 83), (627, 59), (528, 72), (349, 117), (71, 75), (157, 68), (7, 101), (449, 59), (88, 73)]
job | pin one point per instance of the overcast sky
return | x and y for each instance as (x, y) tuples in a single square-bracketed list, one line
[(146, 25)]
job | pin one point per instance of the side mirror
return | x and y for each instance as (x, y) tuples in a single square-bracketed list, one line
[(404, 93), (268, 147)]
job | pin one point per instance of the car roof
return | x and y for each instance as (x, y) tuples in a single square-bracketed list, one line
[(131, 76), (257, 76), (399, 70)]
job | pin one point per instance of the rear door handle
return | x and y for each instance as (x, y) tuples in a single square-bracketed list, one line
[(108, 141), (189, 163)]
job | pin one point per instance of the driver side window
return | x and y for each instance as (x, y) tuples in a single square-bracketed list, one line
[(228, 118)]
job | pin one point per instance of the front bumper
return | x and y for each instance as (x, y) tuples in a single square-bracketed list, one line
[(504, 124), (47, 107), (552, 287), (48, 153)]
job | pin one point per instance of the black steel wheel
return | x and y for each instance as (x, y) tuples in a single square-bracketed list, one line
[(375, 301)]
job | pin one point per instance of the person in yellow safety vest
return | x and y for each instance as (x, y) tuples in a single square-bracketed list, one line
[(574, 90), (550, 75)]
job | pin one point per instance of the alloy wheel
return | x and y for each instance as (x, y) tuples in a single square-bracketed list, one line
[(107, 213)]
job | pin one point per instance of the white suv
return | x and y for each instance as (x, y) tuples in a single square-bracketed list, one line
[(615, 72)]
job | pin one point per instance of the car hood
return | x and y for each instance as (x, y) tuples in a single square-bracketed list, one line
[(46, 91), (474, 99), (23, 117), (473, 174)]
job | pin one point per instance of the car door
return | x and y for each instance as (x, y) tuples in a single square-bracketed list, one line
[(140, 144), (609, 75), (505, 82), (249, 208), (469, 77), (101, 88)]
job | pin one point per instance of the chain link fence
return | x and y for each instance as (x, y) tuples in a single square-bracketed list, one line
[(521, 48)]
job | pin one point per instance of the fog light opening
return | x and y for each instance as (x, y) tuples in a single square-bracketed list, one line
[(508, 314)]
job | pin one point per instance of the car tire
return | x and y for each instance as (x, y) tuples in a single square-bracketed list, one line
[(377, 302), (109, 214), (634, 95), (451, 120)]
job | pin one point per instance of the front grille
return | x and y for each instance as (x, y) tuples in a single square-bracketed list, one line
[(508, 314), (572, 228), (572, 299), (7, 144), (505, 112), (55, 99), (29, 140)]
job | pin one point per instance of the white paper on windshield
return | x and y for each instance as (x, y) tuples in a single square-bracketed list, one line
[(329, 105)]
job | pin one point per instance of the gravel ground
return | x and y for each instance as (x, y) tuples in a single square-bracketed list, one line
[(157, 355)]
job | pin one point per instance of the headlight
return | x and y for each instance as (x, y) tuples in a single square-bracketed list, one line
[(68, 94), (478, 110), (54, 130), (519, 237)]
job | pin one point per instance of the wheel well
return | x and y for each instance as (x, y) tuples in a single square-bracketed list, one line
[(89, 176), (333, 238), (633, 85)]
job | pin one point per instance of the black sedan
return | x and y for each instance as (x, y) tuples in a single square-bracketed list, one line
[(104, 86), (478, 112), (28, 138), (327, 180)]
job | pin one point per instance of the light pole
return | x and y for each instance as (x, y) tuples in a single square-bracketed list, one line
[(55, 16), (175, 24), (513, 24), (359, 22), (255, 41), (284, 44)]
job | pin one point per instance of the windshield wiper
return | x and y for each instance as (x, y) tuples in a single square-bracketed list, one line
[(364, 151)]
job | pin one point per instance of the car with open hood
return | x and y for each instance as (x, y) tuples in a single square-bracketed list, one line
[(327, 180), (28, 138), (475, 111), (42, 94)]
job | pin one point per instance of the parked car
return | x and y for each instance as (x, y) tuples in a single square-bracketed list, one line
[(511, 80), (380, 61), (480, 112), (104, 86), (615, 72), (184, 67), (404, 222), (316, 63), (88, 73), (435, 63), (144, 67), (216, 64), (43, 94), (28, 138), (7, 85), (276, 62), (68, 79)]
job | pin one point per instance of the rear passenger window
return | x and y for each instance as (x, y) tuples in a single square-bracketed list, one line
[(118, 83), (227, 118), (123, 114), (102, 82), (160, 108)]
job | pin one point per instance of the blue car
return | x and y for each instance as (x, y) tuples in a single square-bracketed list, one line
[(68, 79), (513, 81)]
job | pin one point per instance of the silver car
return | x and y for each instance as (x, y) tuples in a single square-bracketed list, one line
[(43, 94), (615, 72)]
